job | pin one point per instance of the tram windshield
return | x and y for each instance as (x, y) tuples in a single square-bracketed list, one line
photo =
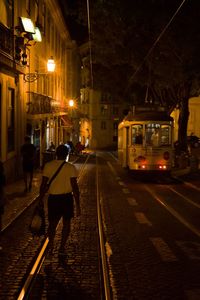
[(137, 134), (151, 134)]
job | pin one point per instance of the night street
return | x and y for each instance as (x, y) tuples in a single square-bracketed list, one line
[(99, 150), (151, 232)]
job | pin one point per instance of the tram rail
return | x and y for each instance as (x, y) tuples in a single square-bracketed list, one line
[(87, 272), (39, 259)]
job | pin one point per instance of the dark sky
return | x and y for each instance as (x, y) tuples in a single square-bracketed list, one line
[(77, 31)]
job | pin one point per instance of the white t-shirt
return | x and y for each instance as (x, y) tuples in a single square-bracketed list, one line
[(61, 183)]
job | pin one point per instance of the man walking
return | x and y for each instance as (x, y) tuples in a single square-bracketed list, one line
[(62, 190), (28, 152)]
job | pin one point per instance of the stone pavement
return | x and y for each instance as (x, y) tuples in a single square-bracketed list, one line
[(17, 200), (75, 276), (79, 275)]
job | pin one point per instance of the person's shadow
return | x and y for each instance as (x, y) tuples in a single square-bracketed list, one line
[(64, 284)]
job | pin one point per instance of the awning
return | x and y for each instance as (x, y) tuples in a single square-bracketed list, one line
[(66, 122)]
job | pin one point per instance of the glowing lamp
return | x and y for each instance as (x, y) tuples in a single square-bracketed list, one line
[(71, 102), (27, 25), (51, 65), (37, 35)]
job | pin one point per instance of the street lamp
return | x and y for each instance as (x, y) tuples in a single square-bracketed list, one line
[(31, 77), (51, 64), (71, 102)]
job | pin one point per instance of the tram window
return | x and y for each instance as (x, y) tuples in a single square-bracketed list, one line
[(152, 134), (165, 135), (157, 134), (137, 137)]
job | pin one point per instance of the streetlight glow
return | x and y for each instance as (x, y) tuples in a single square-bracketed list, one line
[(71, 102), (31, 77), (51, 64)]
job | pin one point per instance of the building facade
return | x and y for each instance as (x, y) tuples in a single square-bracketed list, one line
[(193, 121), (99, 112), (32, 101)]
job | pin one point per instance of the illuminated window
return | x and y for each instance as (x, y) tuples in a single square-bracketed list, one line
[(165, 135), (104, 109), (137, 134), (152, 134)]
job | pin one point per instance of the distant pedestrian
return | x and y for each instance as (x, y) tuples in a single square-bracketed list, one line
[(62, 190), (2, 194), (70, 145), (79, 148), (28, 152), (52, 147)]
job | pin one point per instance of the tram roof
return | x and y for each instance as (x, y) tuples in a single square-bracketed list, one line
[(148, 116)]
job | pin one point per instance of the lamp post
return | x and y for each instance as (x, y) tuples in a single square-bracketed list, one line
[(31, 77)]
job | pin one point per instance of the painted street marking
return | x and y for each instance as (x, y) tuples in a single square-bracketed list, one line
[(126, 191), (191, 249), (174, 213), (142, 219), (163, 249), (184, 197), (192, 185), (132, 201)]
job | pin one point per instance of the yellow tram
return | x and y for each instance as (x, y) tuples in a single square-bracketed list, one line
[(145, 141)]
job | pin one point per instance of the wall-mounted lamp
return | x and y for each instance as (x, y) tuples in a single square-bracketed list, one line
[(71, 102), (31, 77), (26, 25), (37, 35), (27, 30), (51, 64)]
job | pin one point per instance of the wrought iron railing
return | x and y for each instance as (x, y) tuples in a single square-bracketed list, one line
[(42, 104), (6, 41)]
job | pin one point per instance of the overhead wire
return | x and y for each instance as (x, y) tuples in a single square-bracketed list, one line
[(156, 41), (90, 44)]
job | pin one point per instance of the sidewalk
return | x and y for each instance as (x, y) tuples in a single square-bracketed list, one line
[(17, 200)]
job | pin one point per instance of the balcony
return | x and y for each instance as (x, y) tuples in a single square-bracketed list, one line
[(6, 45), (39, 104)]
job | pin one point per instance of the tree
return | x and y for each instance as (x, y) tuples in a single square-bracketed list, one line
[(132, 59)]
